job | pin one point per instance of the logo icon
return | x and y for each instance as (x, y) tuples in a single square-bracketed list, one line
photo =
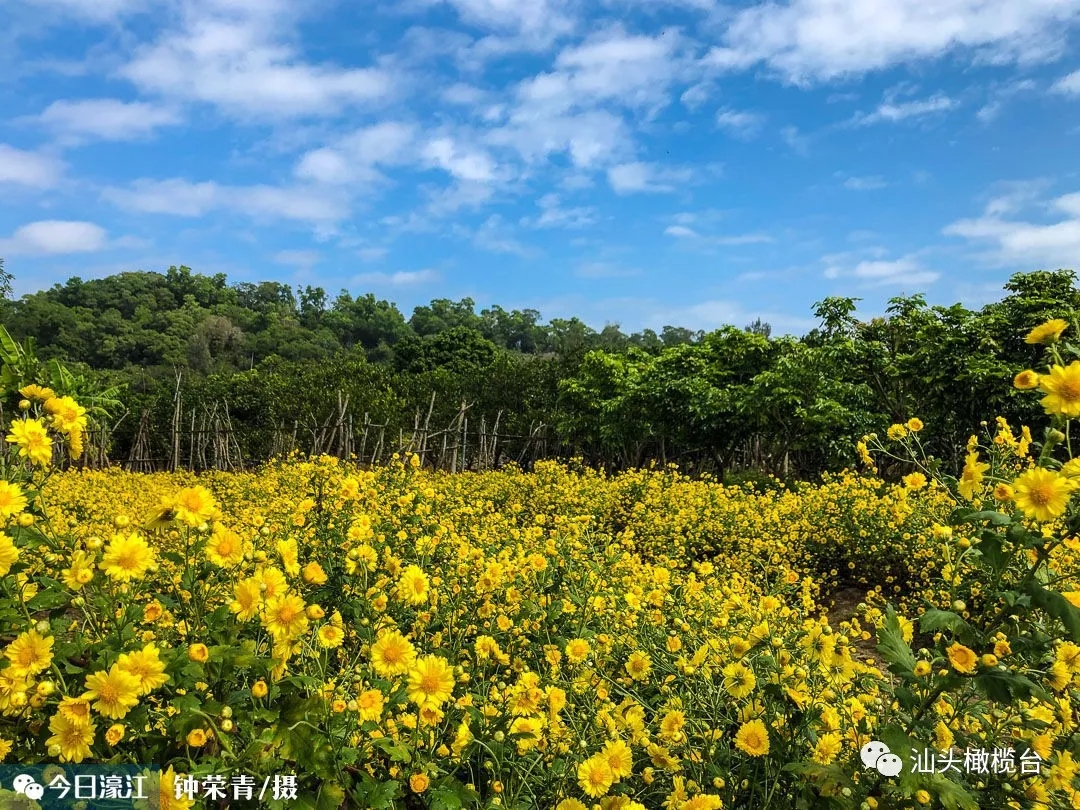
[(26, 785), (876, 755)]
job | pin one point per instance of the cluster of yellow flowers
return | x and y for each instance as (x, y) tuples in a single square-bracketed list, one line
[(561, 638)]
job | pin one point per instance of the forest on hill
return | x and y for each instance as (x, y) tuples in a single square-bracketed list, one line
[(265, 369)]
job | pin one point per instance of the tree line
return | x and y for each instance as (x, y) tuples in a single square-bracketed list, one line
[(733, 400)]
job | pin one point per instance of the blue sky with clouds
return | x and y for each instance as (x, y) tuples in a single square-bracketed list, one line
[(634, 161)]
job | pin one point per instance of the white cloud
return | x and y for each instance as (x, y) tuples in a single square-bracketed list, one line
[(55, 237), (999, 96), (684, 232), (740, 123), (180, 197), (404, 278), (628, 178), (232, 55), (460, 161), (1069, 84), (1018, 242), (868, 183), (807, 41), (33, 169), (355, 157), (100, 11), (297, 258), (553, 215), (106, 118), (494, 236), (892, 111), (906, 271), (605, 270)]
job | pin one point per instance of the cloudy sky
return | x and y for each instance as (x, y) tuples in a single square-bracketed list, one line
[(633, 161)]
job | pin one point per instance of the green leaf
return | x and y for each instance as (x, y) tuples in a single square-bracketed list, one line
[(993, 517), (1057, 606), (331, 796), (934, 621), (893, 648)]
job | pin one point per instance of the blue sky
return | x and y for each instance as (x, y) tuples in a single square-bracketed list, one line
[(633, 161)]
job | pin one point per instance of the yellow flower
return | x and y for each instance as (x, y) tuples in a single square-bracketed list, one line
[(943, 737), (971, 478), (224, 548), (29, 654), (114, 734), (12, 499), (199, 653), (127, 557), (370, 704), (5, 748), (194, 506), (619, 758), (33, 440), (1026, 380), (753, 738), (147, 666), (37, 392), (68, 416), (75, 709), (1042, 494), (577, 650), (168, 793), (638, 665), (595, 776), (1062, 389), (827, 748), (1047, 332), (392, 654), (739, 680), (570, 804), (915, 480), (419, 782), (196, 738), (896, 432), (259, 689), (1003, 492), (330, 636), (412, 586), (9, 554), (915, 424), (314, 574), (431, 681), (113, 693), (247, 599), (963, 659), (923, 668), (73, 737), (284, 617)]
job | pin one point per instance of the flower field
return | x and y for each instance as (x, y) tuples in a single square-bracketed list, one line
[(559, 638)]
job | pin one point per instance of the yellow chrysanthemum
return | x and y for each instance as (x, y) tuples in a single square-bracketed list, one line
[(1062, 389), (284, 617), (127, 557), (32, 439), (72, 737), (147, 666), (412, 586), (431, 681), (595, 776), (194, 506), (29, 654), (9, 554), (753, 738), (113, 693), (963, 659), (392, 654), (971, 479), (1046, 332), (12, 500), (1026, 380), (1042, 494), (224, 548)]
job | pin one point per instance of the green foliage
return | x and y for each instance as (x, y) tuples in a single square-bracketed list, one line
[(729, 400)]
